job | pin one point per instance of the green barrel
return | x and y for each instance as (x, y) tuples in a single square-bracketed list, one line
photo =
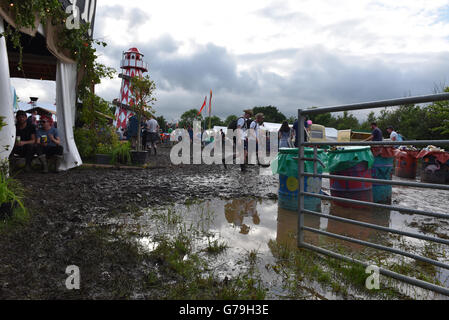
[(286, 166), (382, 170)]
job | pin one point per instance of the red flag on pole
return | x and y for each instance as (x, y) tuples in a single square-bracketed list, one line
[(204, 104)]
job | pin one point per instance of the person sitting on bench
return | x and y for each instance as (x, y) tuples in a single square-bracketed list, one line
[(48, 143), (25, 139)]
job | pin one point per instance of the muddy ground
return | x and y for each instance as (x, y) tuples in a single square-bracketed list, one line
[(67, 209)]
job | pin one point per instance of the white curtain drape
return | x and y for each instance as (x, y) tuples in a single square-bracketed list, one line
[(8, 133), (66, 75)]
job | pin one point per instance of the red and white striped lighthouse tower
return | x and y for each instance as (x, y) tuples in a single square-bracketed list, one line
[(132, 65)]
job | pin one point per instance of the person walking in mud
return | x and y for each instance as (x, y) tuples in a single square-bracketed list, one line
[(132, 128), (243, 125), (254, 134), (153, 134)]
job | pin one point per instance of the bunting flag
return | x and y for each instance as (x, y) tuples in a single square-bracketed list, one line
[(204, 104)]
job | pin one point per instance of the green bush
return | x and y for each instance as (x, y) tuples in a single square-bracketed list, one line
[(122, 153), (11, 192), (92, 141), (86, 141)]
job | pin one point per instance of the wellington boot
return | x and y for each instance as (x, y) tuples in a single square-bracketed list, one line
[(58, 163), (43, 160), (28, 168)]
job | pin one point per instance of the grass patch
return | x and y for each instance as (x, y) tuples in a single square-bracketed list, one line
[(183, 274), (216, 247), (20, 217), (302, 268)]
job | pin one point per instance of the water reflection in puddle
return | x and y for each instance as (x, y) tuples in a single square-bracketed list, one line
[(248, 225)]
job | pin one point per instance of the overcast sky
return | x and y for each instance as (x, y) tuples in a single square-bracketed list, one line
[(289, 54)]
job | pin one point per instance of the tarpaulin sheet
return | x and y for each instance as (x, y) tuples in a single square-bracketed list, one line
[(286, 164), (410, 153), (442, 157), (385, 152), (348, 157)]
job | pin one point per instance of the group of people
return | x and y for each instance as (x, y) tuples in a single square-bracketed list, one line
[(377, 134), (149, 133), (39, 139), (251, 132)]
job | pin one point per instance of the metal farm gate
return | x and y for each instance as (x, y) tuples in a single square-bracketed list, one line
[(303, 193)]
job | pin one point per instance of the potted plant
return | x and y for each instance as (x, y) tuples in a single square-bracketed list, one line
[(104, 154), (121, 154), (142, 88)]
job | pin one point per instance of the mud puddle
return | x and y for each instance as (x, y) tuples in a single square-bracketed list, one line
[(249, 227)]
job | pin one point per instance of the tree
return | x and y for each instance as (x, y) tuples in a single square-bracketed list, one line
[(272, 114), (142, 89), (215, 121), (230, 119), (188, 117), (324, 119), (162, 123), (410, 120), (439, 115), (366, 125), (291, 120), (347, 121)]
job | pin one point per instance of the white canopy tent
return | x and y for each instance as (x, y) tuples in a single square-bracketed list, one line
[(66, 80)]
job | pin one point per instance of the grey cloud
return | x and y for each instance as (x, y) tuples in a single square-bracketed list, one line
[(134, 17), (279, 13), (319, 76)]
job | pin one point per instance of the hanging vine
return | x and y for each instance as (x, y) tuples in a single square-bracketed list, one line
[(77, 42)]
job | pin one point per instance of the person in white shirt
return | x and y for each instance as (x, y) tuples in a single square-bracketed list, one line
[(153, 134), (243, 125), (255, 126), (254, 133), (394, 136)]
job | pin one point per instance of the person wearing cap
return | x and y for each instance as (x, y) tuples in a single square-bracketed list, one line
[(25, 139), (48, 143), (244, 122), (394, 136)]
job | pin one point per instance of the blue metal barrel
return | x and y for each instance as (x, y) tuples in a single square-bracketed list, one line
[(382, 170)]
